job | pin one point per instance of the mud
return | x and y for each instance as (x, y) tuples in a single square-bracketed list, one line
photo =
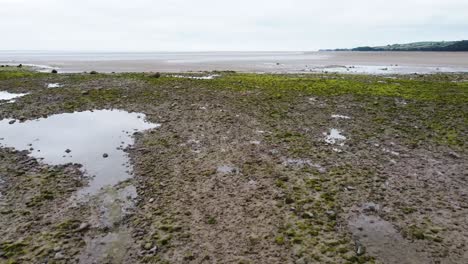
[(240, 171)]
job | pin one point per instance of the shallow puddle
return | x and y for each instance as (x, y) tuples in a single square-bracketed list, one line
[(209, 77), (112, 205), (302, 163), (110, 248), (95, 139), (334, 137), (225, 169), (10, 96), (341, 117), (54, 85), (381, 240)]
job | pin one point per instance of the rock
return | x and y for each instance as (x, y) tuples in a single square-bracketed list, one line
[(54, 71), (156, 75), (83, 227), (371, 207), (12, 122), (289, 200), (67, 150), (85, 92), (331, 214), (153, 250), (360, 249), (151, 200), (454, 155), (105, 155), (59, 255), (307, 215), (147, 245), (93, 72), (20, 66)]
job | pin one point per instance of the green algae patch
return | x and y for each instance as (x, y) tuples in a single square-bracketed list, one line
[(282, 86), (13, 72)]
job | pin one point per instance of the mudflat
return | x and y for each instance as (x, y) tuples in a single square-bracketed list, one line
[(225, 167), (270, 62)]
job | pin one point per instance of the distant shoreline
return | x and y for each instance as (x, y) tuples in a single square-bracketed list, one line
[(426, 46), (376, 62)]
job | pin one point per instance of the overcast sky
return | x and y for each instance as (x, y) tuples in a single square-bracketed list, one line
[(200, 25)]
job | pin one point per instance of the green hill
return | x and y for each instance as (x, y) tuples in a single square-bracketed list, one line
[(418, 46)]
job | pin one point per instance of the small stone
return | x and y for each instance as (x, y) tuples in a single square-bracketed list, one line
[(148, 245), (307, 215), (153, 250), (454, 155), (83, 227), (105, 155), (85, 92), (371, 207), (331, 214), (156, 75), (151, 200), (67, 150), (59, 255), (54, 71), (360, 249), (12, 122)]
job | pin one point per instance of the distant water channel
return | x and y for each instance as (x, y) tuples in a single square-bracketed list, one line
[(260, 62)]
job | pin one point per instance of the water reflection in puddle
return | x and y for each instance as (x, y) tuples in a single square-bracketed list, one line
[(112, 205), (225, 169), (109, 248), (81, 137), (54, 85), (381, 240), (302, 163), (341, 117), (209, 77), (10, 96), (334, 137)]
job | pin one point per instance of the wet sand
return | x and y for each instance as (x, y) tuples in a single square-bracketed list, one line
[(269, 62)]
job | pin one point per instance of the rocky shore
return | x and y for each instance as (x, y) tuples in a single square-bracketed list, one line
[(245, 168)]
